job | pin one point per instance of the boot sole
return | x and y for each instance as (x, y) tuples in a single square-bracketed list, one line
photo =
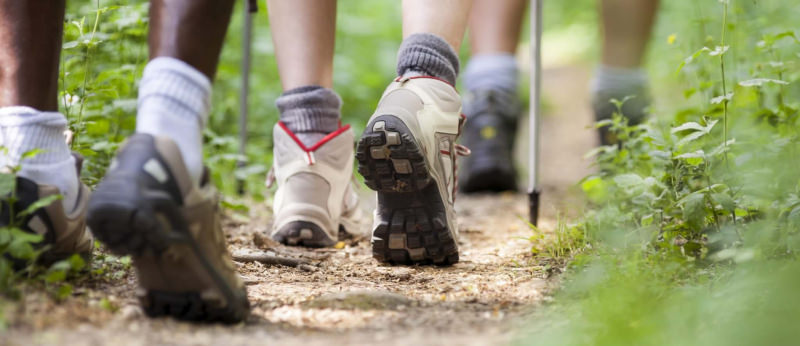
[(303, 233), (148, 226), (413, 225)]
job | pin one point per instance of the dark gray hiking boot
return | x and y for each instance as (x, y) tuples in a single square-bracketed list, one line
[(634, 109), (148, 207), (489, 133), (64, 233)]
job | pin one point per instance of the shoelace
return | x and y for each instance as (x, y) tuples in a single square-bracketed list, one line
[(462, 150), (68, 136)]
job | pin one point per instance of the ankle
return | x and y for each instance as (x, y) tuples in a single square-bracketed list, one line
[(618, 81), (310, 112), (496, 72), (174, 102), (23, 130), (427, 55)]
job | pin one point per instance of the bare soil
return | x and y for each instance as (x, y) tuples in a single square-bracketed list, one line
[(344, 296)]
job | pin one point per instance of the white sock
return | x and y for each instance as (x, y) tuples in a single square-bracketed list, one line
[(23, 129), (174, 101)]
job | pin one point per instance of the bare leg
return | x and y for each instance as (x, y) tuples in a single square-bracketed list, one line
[(189, 30), (494, 26), (303, 32), (174, 99), (30, 44), (627, 25), (444, 18)]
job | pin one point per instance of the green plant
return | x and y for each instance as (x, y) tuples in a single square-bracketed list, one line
[(20, 249), (559, 246), (693, 219)]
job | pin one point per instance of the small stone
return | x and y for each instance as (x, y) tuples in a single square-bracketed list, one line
[(130, 312)]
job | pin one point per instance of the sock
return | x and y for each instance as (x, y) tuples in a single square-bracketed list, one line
[(174, 101), (23, 129), (491, 81), (311, 112), (427, 55), (497, 72), (616, 80)]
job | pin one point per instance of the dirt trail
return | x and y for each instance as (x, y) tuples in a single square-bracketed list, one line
[(350, 298)]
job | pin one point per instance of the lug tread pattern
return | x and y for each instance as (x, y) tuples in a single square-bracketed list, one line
[(126, 221), (377, 159), (412, 228)]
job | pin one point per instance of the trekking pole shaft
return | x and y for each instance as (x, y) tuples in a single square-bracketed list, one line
[(244, 96), (535, 108)]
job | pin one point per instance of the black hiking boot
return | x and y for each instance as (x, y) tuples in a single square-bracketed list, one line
[(489, 133)]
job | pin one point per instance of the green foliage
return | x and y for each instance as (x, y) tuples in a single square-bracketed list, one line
[(17, 247), (102, 58), (693, 218), (565, 241)]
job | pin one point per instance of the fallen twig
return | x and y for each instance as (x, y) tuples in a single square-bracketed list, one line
[(270, 259)]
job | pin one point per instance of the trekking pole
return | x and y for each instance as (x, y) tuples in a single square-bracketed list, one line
[(250, 8), (535, 109)]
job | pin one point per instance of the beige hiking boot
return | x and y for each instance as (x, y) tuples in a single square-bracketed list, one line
[(407, 154), (315, 197), (64, 232), (148, 207)]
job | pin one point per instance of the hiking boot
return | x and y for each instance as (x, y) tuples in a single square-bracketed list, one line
[(315, 197), (489, 133), (407, 154), (634, 109), (64, 233), (148, 207)]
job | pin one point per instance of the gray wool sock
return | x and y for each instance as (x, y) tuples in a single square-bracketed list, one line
[(618, 80), (311, 112), (497, 72), (427, 55)]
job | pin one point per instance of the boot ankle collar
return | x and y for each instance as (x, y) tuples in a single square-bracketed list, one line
[(319, 144)]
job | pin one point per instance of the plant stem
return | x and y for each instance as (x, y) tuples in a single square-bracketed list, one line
[(724, 85), (86, 72)]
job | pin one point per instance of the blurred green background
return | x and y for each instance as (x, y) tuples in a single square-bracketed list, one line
[(105, 54)]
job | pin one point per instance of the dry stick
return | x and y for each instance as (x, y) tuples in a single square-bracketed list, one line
[(270, 259)]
